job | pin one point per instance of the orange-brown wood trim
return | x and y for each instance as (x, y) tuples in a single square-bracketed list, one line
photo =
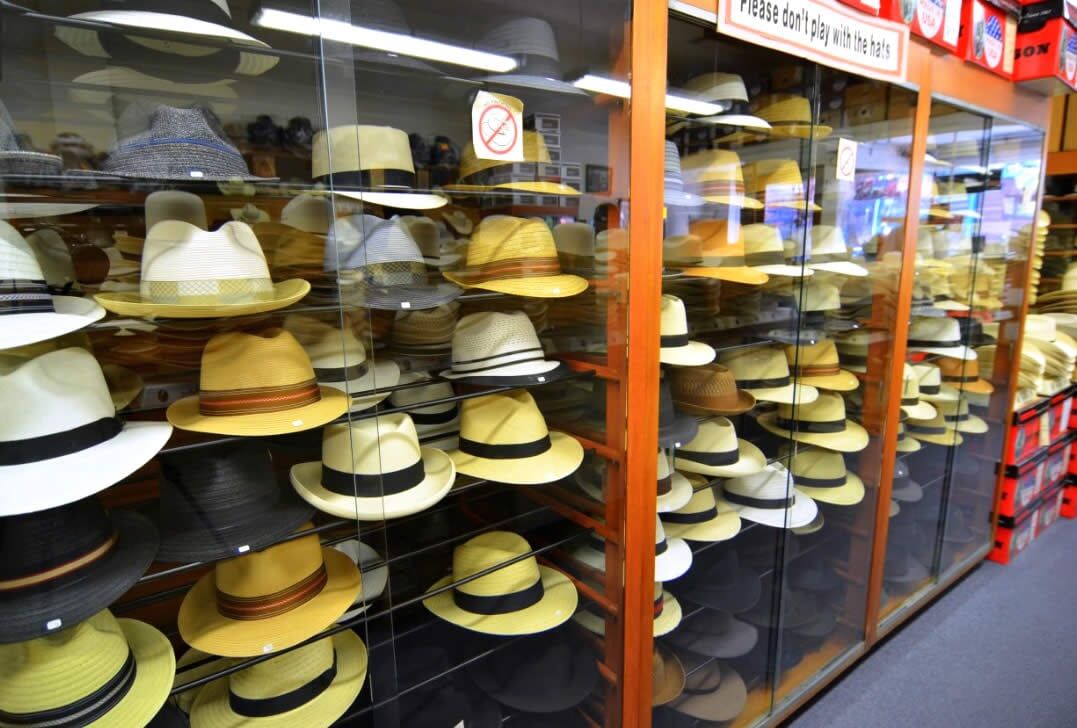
[(1061, 163)]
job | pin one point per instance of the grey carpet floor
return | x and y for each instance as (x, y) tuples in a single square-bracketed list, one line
[(998, 650)]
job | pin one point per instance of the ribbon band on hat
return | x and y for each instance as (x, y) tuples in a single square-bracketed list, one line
[(67, 564), (435, 418), (822, 427), (497, 361), (721, 188), (768, 503), (510, 269), (659, 605), (22, 296), (910, 401), (959, 378), (661, 547), (930, 389), (774, 257), (272, 605), (729, 457), (58, 444), (665, 485), (703, 516), (512, 451), (210, 292), (926, 430), (393, 178), (670, 341), (373, 486), (341, 374), (931, 343), (961, 417), (228, 402), (806, 482), (816, 370), (279, 704), (394, 273), (500, 603), (763, 383)]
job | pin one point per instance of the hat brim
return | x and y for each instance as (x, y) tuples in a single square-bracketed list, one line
[(974, 425), (663, 624), (679, 432), (745, 402), (785, 395), (539, 699), (212, 707), (743, 120), (382, 375), (784, 270), (908, 492), (155, 666), (399, 200), (206, 629), (540, 83), (71, 314), (185, 415), (723, 704), (133, 304), (733, 274), (43, 484), (908, 444), (98, 585), (946, 394), (743, 201), (523, 373), (848, 494), (400, 298), (853, 439), (841, 267), (802, 513), (750, 461), (679, 494), (843, 381), (559, 286), (673, 677), (372, 569), (560, 461), (693, 636), (674, 562), (440, 474), (559, 600), (678, 198), (919, 411), (722, 527), (29, 210), (950, 438), (954, 352), (692, 354)]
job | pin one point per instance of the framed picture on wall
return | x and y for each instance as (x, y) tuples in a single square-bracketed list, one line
[(597, 179)]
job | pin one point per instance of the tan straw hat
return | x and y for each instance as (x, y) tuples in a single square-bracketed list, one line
[(710, 389), (521, 597), (715, 692), (675, 346), (504, 438), (257, 385), (764, 251), (935, 430), (956, 414), (714, 249), (779, 183), (963, 375), (821, 423), (703, 518), (266, 601), (517, 256), (911, 403), (715, 174), (482, 175), (764, 373), (822, 475), (817, 365), (930, 385), (716, 451), (790, 116), (667, 675)]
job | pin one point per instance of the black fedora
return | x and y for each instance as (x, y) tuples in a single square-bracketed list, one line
[(675, 428), (63, 565), (722, 583), (223, 502), (542, 674)]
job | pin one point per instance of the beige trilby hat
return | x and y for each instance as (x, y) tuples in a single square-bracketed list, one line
[(817, 365), (373, 469), (822, 475), (160, 206), (257, 385), (821, 423), (314, 213), (710, 389), (313, 685), (269, 600), (480, 175), (930, 386), (764, 373), (504, 438), (702, 518), (956, 414), (372, 164), (715, 692), (911, 404), (517, 598), (575, 243), (667, 614), (790, 116), (340, 361), (715, 174), (188, 272), (935, 430), (675, 346), (101, 672), (938, 335), (779, 183), (768, 497), (764, 251), (716, 451), (500, 348), (712, 249), (516, 256), (829, 252), (425, 333)]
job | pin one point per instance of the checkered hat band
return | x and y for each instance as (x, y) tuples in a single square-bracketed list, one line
[(510, 269), (211, 292), (398, 273), (258, 400), (21, 296)]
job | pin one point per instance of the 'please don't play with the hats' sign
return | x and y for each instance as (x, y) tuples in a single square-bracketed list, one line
[(823, 31)]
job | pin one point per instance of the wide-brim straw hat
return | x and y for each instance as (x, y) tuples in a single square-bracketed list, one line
[(132, 303), (710, 632), (713, 693), (906, 444), (842, 488), (203, 627), (70, 314), (561, 460), (213, 708), (703, 518), (934, 431), (331, 404), (750, 459), (851, 438), (663, 624), (790, 116), (922, 410), (667, 680), (799, 513)]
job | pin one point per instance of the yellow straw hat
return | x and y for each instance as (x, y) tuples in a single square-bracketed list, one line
[(702, 518), (779, 183), (515, 598), (935, 430), (504, 438), (817, 365), (675, 346), (310, 686), (821, 423), (789, 116), (822, 476), (482, 175), (956, 414), (716, 451), (715, 174), (102, 672), (720, 252), (763, 372), (268, 600), (257, 385), (517, 256), (911, 403)]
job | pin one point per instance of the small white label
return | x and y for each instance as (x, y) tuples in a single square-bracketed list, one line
[(244, 548), (267, 648), (845, 170), (405, 304), (197, 174), (53, 624), (297, 423), (542, 379), (497, 130)]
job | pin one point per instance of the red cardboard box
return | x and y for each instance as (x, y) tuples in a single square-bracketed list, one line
[(1069, 501), (1029, 426), (869, 7), (1046, 54), (938, 21), (988, 37), (1056, 466), (1062, 403), (1021, 485), (1013, 535)]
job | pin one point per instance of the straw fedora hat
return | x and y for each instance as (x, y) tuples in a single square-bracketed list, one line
[(716, 451), (675, 347), (779, 183), (956, 414), (790, 116), (160, 206), (672, 556), (675, 194), (911, 403), (715, 633), (14, 160), (188, 272), (532, 43), (518, 597), (702, 518), (436, 419), (707, 390), (31, 312), (713, 249), (310, 686), (727, 90), (906, 444), (830, 254), (67, 442), (500, 349), (935, 430), (103, 672), (265, 601), (769, 497), (667, 614), (715, 692), (372, 164), (822, 475), (817, 365), (764, 251), (504, 438), (54, 257), (458, 220), (438, 248), (575, 243), (821, 423), (763, 372), (482, 175), (931, 387), (715, 174), (425, 334), (257, 384), (667, 675), (516, 256), (674, 489), (373, 469), (340, 361), (313, 213), (938, 335)]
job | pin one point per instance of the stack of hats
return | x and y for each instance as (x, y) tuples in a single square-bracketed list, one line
[(1063, 300), (1038, 230), (1057, 350)]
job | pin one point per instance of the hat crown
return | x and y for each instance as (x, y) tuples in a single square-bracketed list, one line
[(358, 241), (426, 234), (817, 463), (502, 419), (284, 673), (373, 446), (771, 483), (490, 334), (35, 542), (954, 408), (17, 259), (778, 179), (709, 380), (575, 238), (762, 238), (828, 240), (236, 360), (335, 348), (223, 478), (712, 165), (718, 87), (716, 434), (1040, 327), (272, 570), (665, 470), (910, 383), (783, 107), (759, 362), (718, 238), (504, 238), (55, 392), (53, 256), (178, 251), (195, 122), (489, 550), (942, 329), (683, 248), (309, 213), (820, 296), (177, 205), (829, 407), (674, 318), (701, 500), (360, 148), (522, 36), (822, 353), (416, 395)]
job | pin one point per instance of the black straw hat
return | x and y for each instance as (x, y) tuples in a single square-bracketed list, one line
[(223, 502), (63, 565)]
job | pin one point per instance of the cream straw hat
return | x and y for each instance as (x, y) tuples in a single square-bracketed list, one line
[(938, 335), (768, 497), (764, 251), (716, 451), (763, 372), (911, 404), (340, 361), (702, 518), (821, 423), (830, 254), (817, 365), (822, 475), (675, 347)]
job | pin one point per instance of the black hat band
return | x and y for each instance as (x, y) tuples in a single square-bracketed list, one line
[(341, 374), (361, 485), (513, 451), (278, 704), (396, 180), (670, 341), (434, 418), (500, 603), (767, 503), (805, 482), (822, 427), (58, 444), (713, 459), (498, 361), (85, 710), (934, 343), (764, 383), (774, 257), (703, 516)]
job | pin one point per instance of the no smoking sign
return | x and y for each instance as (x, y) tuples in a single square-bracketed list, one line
[(846, 167), (497, 127)]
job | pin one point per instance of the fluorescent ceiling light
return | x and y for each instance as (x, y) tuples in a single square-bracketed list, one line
[(623, 90), (399, 43)]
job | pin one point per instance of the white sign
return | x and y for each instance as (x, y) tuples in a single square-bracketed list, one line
[(846, 166), (497, 130), (822, 31)]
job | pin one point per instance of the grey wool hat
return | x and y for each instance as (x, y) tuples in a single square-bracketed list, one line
[(15, 160)]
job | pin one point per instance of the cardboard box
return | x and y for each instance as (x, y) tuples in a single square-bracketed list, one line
[(1068, 509), (864, 93), (1046, 53), (1027, 432), (988, 37), (861, 114), (1056, 466), (1059, 414), (938, 21), (1021, 485), (868, 7)]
